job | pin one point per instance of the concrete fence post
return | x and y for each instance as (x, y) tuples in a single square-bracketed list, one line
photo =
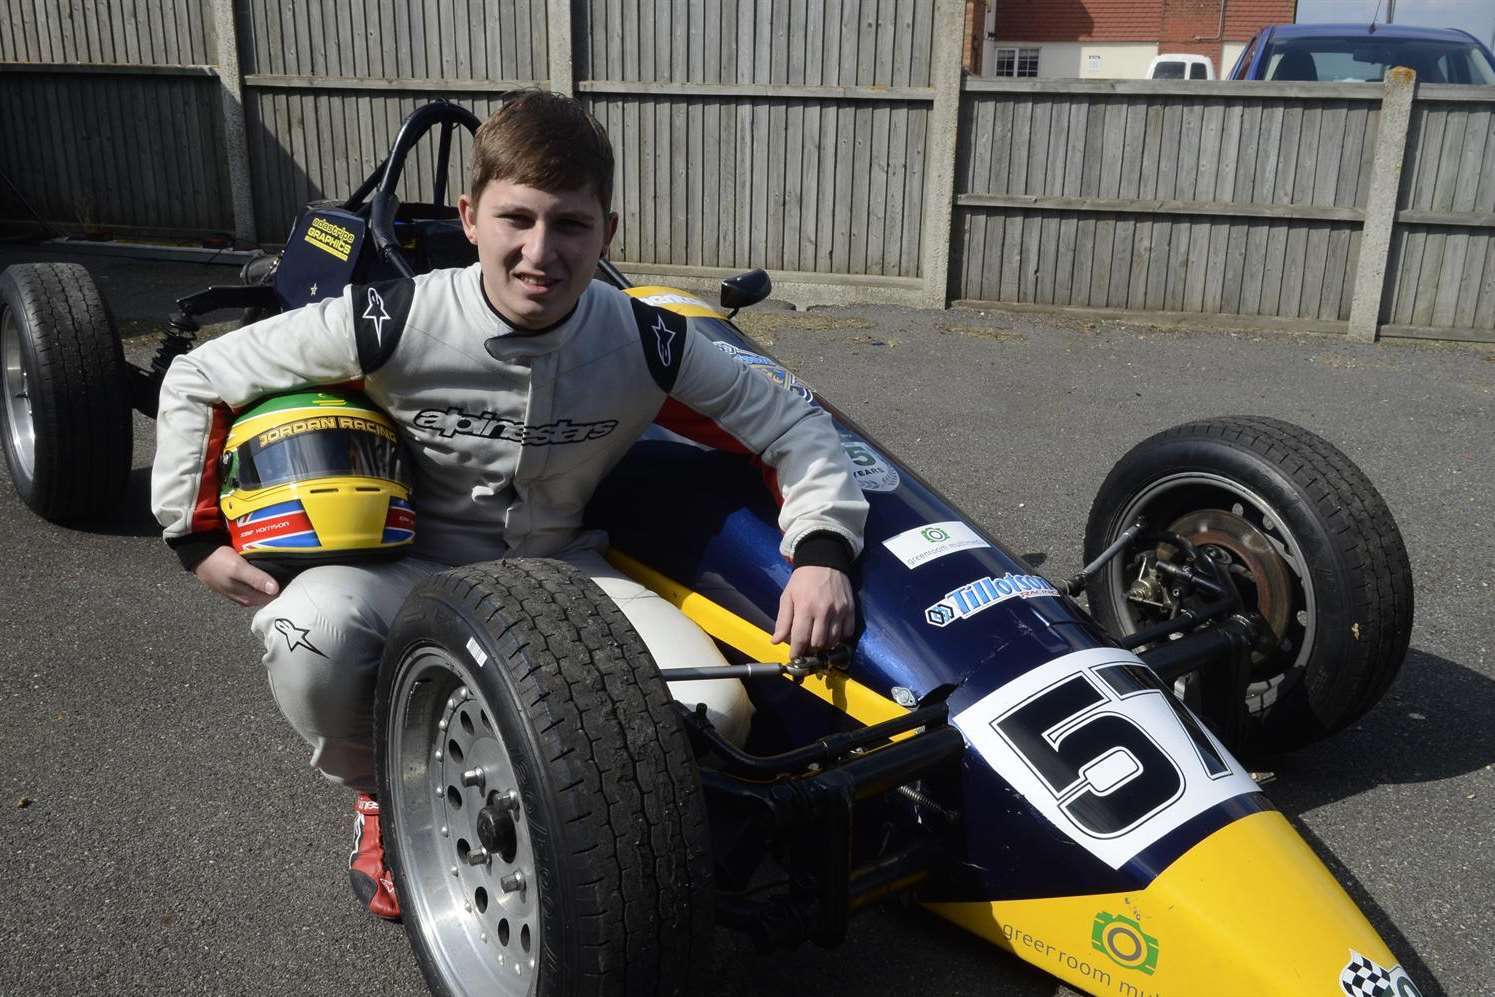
[(235, 140), (1380, 204), (939, 169), (562, 67)]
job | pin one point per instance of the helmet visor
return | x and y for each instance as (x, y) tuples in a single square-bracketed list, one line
[(320, 453)]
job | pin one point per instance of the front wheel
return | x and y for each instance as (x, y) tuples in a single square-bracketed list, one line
[(1308, 542), (544, 817)]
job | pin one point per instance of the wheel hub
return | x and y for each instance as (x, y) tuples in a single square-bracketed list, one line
[(1245, 547), (465, 846), (497, 832)]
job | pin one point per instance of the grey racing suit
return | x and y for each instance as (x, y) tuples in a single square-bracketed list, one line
[(509, 433)]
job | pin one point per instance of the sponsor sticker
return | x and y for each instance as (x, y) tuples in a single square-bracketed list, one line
[(984, 593), (321, 422), (674, 298), (1362, 977), (923, 544), (1123, 939), (479, 656), (869, 469), (769, 369), (330, 238)]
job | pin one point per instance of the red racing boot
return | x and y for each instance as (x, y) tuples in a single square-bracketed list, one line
[(373, 883)]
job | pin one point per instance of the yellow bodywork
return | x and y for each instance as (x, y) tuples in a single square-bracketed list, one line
[(672, 299), (1250, 910)]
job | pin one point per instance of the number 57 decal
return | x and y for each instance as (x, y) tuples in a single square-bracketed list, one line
[(1098, 745)]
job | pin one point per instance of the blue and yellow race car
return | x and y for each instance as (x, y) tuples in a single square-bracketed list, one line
[(1062, 782)]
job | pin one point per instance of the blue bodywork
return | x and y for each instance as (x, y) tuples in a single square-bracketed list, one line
[(705, 519), (1255, 59)]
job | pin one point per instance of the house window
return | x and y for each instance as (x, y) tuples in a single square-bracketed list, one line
[(1016, 62)]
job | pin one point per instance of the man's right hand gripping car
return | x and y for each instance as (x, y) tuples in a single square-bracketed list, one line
[(1060, 782)]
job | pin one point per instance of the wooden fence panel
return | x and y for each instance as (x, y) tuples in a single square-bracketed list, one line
[(452, 41), (1219, 199), (310, 145), (116, 153), (1441, 268), (797, 128), (1158, 272), (721, 161), (106, 32), (802, 135), (766, 42)]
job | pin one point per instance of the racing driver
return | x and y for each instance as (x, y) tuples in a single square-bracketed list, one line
[(516, 384)]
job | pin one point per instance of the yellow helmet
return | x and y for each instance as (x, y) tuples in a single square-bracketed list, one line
[(315, 477)]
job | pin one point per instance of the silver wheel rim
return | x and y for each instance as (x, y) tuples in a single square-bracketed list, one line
[(479, 923), (1264, 692), (20, 429)]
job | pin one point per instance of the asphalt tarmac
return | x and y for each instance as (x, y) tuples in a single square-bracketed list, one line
[(161, 833)]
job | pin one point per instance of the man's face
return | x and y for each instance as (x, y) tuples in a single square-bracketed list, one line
[(538, 249)]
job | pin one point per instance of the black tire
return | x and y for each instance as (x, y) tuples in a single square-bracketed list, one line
[(1343, 625), (563, 702), (65, 415)]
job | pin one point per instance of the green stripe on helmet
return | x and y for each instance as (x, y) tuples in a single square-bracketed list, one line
[(331, 399)]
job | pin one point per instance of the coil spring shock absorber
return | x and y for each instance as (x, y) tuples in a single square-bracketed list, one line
[(180, 337)]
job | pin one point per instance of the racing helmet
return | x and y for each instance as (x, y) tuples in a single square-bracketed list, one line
[(315, 477)]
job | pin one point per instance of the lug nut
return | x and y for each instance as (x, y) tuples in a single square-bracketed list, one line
[(477, 856), (513, 882), (474, 777)]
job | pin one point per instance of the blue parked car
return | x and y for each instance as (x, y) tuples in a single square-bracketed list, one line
[(1359, 53)]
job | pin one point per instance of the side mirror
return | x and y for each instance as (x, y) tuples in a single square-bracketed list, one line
[(745, 289)]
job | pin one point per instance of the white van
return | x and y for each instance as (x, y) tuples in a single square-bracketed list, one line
[(1181, 67)]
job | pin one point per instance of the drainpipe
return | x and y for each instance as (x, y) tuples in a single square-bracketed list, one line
[(1220, 28)]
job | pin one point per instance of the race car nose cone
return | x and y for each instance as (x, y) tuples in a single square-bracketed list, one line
[(1248, 910)]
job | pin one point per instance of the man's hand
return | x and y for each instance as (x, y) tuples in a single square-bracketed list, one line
[(816, 610), (228, 574)]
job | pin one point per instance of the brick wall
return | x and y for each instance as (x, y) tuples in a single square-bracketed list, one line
[(1173, 24), (975, 36)]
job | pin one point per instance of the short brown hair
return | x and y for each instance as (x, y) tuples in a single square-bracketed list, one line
[(543, 140)]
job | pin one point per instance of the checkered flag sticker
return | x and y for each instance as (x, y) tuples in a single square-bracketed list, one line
[(1363, 978)]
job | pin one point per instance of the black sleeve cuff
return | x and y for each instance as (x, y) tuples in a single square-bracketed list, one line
[(823, 549), (194, 548)]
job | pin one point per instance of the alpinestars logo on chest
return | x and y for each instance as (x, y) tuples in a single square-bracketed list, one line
[(376, 313), (665, 338)]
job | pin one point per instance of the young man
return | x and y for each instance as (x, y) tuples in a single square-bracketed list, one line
[(481, 368)]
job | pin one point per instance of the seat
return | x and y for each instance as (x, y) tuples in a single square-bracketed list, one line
[(1296, 65)]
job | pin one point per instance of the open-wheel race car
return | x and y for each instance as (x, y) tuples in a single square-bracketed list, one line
[(1062, 783)]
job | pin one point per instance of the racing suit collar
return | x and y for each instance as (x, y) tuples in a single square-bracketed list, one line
[(509, 327)]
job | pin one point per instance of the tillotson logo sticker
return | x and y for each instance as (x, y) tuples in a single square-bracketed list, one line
[(769, 369), (923, 544), (984, 593)]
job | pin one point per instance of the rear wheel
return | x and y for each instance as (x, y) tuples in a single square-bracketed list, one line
[(1307, 540), (66, 420), (544, 816)]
